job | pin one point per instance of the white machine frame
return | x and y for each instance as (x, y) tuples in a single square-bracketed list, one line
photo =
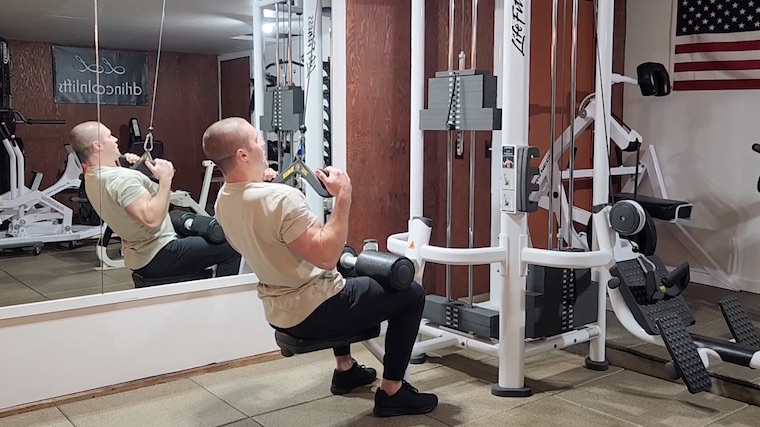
[(510, 252), (312, 84), (35, 216), (649, 167)]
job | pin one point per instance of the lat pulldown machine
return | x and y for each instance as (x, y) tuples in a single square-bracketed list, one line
[(550, 299), (541, 299), (294, 113)]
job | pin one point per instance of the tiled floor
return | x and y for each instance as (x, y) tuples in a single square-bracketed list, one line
[(728, 379), (58, 272), (295, 392)]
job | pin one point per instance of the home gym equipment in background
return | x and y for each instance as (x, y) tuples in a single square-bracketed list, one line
[(546, 299), (30, 216), (652, 80), (297, 113)]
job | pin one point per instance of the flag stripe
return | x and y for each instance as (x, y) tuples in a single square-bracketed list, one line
[(716, 56), (718, 46), (711, 38), (716, 75), (716, 84), (716, 65)]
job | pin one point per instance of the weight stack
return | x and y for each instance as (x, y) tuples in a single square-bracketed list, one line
[(558, 300), (283, 109), (461, 100)]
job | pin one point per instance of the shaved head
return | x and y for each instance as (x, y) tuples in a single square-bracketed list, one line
[(84, 135), (223, 139)]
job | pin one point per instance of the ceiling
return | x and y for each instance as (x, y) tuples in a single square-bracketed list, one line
[(193, 26)]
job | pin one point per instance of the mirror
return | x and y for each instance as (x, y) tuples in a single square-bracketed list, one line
[(205, 72), (45, 248)]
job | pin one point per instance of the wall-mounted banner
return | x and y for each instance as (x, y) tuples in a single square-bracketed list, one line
[(123, 76)]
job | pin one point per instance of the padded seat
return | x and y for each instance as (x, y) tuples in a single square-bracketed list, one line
[(145, 282), (662, 209), (290, 345)]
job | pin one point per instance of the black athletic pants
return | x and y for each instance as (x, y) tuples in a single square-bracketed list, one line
[(361, 304), (189, 254)]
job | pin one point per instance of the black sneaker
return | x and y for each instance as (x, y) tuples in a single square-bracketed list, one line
[(345, 381), (406, 401)]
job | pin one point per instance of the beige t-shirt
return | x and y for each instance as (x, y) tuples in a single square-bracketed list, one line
[(110, 190), (260, 219)]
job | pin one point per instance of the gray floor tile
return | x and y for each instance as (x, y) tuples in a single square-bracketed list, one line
[(747, 417), (347, 410), (462, 398), (89, 291), (551, 411), (550, 372), (326, 360), (7, 303), (65, 279), (270, 386), (50, 417), (650, 401), (177, 403), (617, 335), (243, 423), (16, 291), (21, 264), (121, 275)]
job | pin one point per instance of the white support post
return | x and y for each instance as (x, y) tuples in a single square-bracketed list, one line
[(496, 284), (338, 85), (312, 25), (602, 115), (417, 99), (258, 66), (514, 227)]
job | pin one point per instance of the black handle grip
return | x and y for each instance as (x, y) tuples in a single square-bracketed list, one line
[(676, 276), (756, 147)]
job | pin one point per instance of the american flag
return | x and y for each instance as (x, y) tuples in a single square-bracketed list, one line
[(715, 44)]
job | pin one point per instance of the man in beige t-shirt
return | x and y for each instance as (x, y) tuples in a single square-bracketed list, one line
[(295, 256), (137, 209)]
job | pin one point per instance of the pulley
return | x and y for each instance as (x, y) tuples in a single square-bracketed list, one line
[(646, 236), (627, 217)]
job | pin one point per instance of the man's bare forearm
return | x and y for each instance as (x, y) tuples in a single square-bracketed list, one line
[(158, 206), (335, 232)]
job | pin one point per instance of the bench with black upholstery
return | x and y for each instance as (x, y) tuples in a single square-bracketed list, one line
[(290, 345), (145, 282), (662, 209)]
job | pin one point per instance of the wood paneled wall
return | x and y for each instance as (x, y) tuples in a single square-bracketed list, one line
[(377, 148), (378, 43), (187, 101)]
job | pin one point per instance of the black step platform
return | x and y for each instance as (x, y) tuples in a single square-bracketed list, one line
[(634, 292), (739, 323), (684, 352), (662, 209)]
